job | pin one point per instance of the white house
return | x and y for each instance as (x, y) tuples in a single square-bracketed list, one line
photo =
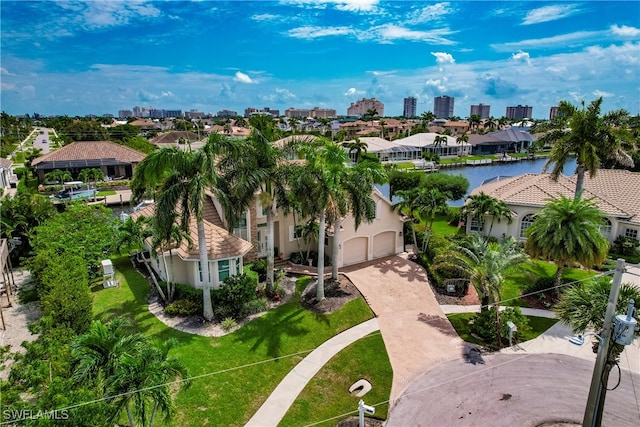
[(616, 193)]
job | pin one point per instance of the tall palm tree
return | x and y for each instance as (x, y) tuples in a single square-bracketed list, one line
[(58, 175), (408, 205), (184, 178), (484, 264), (260, 170), (589, 135), (430, 202), (462, 139), (426, 118), (583, 308), (358, 147), (567, 231), (490, 123), (440, 140), (498, 210), (167, 240)]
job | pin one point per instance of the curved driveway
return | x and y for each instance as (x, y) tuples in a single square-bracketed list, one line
[(415, 330)]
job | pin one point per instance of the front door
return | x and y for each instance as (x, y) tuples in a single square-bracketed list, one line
[(262, 243)]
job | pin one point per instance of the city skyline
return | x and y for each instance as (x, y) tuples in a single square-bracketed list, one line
[(93, 57)]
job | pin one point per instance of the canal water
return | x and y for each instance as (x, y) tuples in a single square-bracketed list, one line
[(478, 174)]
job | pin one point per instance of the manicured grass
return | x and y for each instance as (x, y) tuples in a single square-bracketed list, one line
[(327, 394), (537, 325), (106, 193), (405, 165), (442, 228), (518, 277), (239, 370)]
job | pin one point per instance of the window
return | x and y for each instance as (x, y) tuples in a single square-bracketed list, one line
[(200, 272), (605, 228), (223, 270), (526, 222), (295, 232), (630, 232), (475, 225), (241, 230), (261, 212)]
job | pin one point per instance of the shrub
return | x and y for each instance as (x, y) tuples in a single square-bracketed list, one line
[(485, 325), (222, 311), (183, 307), (255, 306), (260, 267), (235, 293), (296, 258), (625, 246), (543, 284), (228, 323), (186, 292)]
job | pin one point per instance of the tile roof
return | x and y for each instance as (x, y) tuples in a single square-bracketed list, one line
[(616, 192), (172, 137), (5, 163), (92, 150), (220, 243)]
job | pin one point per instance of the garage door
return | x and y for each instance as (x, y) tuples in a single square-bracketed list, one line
[(354, 251), (384, 244)]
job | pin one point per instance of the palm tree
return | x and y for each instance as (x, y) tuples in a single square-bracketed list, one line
[(144, 377), (490, 123), (168, 240), (474, 121), (408, 205), (131, 234), (484, 264), (260, 170), (431, 201), (426, 118), (439, 140), (184, 179), (357, 146), (58, 175), (583, 308), (567, 231), (499, 209), (462, 139), (96, 353), (587, 134), (382, 125), (477, 206)]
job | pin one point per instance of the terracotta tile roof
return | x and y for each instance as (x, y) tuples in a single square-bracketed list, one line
[(91, 150), (616, 192), (5, 163), (220, 243), (172, 137)]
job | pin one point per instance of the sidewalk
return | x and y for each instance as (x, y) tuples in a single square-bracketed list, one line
[(453, 309), (278, 403)]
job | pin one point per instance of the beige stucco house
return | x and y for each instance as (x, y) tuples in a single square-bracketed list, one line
[(616, 193)]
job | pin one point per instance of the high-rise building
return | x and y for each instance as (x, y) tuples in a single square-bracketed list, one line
[(443, 106), (481, 110), (123, 114), (315, 113), (360, 107), (266, 110), (226, 113), (519, 112), (409, 109), (553, 112)]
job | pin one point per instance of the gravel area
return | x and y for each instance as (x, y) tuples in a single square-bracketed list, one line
[(16, 318)]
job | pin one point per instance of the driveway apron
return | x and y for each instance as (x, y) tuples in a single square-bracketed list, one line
[(415, 330)]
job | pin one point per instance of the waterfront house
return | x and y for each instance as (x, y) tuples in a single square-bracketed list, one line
[(614, 191)]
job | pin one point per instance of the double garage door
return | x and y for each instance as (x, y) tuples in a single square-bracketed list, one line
[(356, 250)]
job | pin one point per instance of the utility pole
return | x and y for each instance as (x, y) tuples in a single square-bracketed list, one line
[(592, 415)]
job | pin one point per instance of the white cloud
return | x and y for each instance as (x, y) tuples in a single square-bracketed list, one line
[(344, 5), (6, 86), (100, 14), (311, 32), (429, 13), (5, 72), (436, 84), (167, 93), (264, 17), (563, 39), (550, 13), (241, 77), (443, 58), (353, 91), (521, 57), (625, 31), (390, 32), (600, 93)]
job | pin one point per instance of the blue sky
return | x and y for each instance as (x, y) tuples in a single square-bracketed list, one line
[(96, 57)]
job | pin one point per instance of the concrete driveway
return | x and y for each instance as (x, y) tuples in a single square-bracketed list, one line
[(415, 330)]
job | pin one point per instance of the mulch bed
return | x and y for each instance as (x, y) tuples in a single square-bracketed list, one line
[(336, 293)]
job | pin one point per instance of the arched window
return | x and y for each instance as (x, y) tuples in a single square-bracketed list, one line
[(526, 222), (605, 228)]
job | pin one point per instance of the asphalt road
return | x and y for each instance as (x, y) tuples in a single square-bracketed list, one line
[(513, 390), (42, 140)]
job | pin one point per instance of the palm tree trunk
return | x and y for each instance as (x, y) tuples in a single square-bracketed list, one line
[(491, 225), (415, 239), (153, 278), (207, 307), (172, 289), (579, 180), (166, 272), (558, 280), (335, 247), (130, 415), (498, 326), (153, 414), (270, 248), (320, 285)]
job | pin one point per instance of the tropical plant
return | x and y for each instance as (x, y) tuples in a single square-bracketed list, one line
[(567, 231), (499, 210), (462, 139), (358, 147), (583, 308), (430, 202), (589, 135), (169, 241), (426, 118), (483, 263), (58, 175), (477, 207), (184, 179)]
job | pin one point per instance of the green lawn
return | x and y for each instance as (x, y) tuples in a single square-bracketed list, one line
[(239, 370), (106, 193), (537, 325), (327, 394)]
